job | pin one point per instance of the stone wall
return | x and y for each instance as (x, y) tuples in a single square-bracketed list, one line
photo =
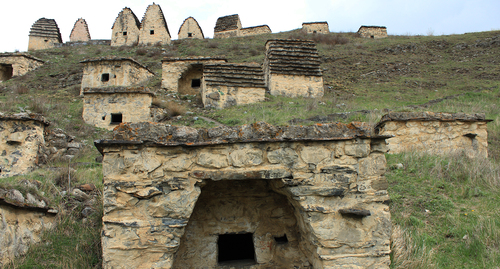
[(310, 196), (125, 30), (292, 68), (372, 31), (227, 26), (44, 34), (80, 31), (21, 135), (316, 27), (21, 63), (437, 133), (176, 69), (120, 72), (190, 29), (226, 85), (154, 29), (255, 30), (100, 104), (22, 221)]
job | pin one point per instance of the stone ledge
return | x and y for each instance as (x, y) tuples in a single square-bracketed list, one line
[(194, 58), (24, 117), (20, 54), (8, 202), (159, 134), (112, 90), (429, 116)]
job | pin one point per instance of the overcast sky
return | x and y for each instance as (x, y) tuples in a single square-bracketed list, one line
[(401, 17)]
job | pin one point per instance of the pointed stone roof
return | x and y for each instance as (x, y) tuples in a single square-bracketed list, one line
[(123, 13), (225, 23), (46, 28), (234, 75), (293, 57), (152, 8), (195, 21), (80, 31)]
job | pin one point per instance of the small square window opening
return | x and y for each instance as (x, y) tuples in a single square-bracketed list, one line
[(105, 77), (116, 118), (195, 83), (151, 32)]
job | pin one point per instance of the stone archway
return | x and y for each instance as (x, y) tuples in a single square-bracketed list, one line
[(190, 81), (241, 223)]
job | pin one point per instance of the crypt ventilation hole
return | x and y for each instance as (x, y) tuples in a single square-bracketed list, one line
[(116, 118), (151, 32), (105, 77), (124, 33), (372, 36), (190, 34), (281, 240), (195, 83), (236, 248)]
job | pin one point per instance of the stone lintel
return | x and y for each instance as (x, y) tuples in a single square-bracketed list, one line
[(112, 90), (24, 117), (25, 55), (158, 134)]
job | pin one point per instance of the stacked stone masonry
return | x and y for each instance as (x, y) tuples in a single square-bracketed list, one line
[(292, 68), (180, 74), (372, 31), (316, 27), (436, 133), (21, 136), (80, 32), (303, 197), (44, 33), (154, 29), (230, 26), (108, 107), (17, 64), (226, 85), (125, 30), (23, 219), (113, 71), (190, 29)]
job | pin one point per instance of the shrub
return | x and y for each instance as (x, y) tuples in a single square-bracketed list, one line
[(212, 44), (21, 89), (141, 51), (174, 109)]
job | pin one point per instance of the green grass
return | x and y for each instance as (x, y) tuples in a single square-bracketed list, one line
[(448, 208)]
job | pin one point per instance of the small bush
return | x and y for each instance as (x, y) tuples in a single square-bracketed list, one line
[(174, 109), (141, 51), (212, 45), (21, 89), (38, 105)]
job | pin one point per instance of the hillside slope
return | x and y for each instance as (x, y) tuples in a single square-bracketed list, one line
[(444, 208)]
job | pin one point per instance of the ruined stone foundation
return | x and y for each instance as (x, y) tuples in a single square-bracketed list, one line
[(253, 196)]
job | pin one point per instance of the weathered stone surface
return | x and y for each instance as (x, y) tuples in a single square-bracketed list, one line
[(230, 26), (190, 29), (262, 180), (21, 224), (438, 133), (80, 31), (372, 31), (44, 34), (154, 29), (18, 63), (178, 73), (125, 30), (292, 68), (113, 71), (316, 27), (101, 104), (21, 135)]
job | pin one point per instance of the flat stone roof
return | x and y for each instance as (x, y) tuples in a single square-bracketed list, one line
[(24, 117), (20, 54), (159, 134), (316, 22), (430, 116), (114, 59), (372, 26), (194, 58), (112, 90)]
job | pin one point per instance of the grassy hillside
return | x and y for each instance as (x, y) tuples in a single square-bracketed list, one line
[(444, 209)]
